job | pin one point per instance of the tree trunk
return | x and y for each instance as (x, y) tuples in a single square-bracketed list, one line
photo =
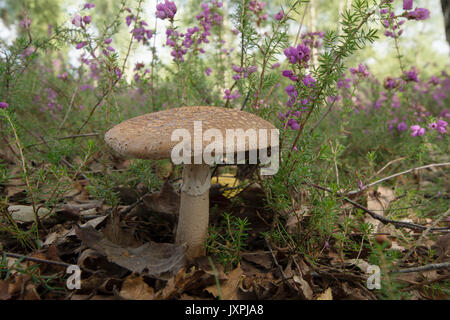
[(446, 11)]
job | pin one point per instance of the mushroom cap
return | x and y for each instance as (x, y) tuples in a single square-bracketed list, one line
[(149, 136)]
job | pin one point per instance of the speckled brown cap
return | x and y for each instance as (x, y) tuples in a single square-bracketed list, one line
[(149, 136)]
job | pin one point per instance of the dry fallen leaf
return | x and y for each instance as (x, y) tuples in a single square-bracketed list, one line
[(326, 295), (4, 290), (158, 260), (229, 288), (442, 248), (166, 201), (22, 214), (378, 201), (135, 288)]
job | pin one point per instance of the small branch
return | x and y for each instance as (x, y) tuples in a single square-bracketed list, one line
[(397, 224), (398, 174), (83, 135), (424, 234), (68, 109), (18, 256), (434, 266)]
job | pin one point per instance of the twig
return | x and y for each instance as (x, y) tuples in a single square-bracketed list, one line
[(301, 25), (424, 234), (398, 174), (69, 109), (18, 256), (83, 135), (397, 224), (133, 205), (25, 174), (387, 165), (433, 266), (275, 260), (246, 99)]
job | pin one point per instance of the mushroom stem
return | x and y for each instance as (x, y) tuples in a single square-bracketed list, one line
[(194, 209)]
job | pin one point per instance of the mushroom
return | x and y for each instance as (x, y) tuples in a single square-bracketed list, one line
[(154, 136)]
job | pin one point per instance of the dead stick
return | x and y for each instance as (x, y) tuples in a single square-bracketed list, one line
[(18, 256), (398, 174), (424, 234), (399, 224), (433, 266)]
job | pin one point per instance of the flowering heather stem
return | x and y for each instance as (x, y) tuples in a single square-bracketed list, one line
[(265, 58), (113, 83), (322, 88)]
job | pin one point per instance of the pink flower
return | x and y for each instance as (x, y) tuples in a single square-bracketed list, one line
[(407, 4), (88, 5), (418, 14), (417, 131), (25, 23), (276, 65), (279, 16), (166, 10), (3, 105), (63, 76), (87, 19), (77, 20), (81, 45)]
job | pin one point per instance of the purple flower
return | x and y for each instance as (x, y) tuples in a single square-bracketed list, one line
[(85, 87), (360, 185), (276, 65), (290, 90), (77, 20), (108, 40), (128, 20), (279, 16), (87, 19), (434, 80), (417, 130), (118, 72), (402, 127), (231, 96), (208, 71), (407, 4), (25, 23), (252, 69), (441, 123), (309, 81), (88, 5), (289, 74), (81, 45), (346, 83), (361, 70), (412, 74), (63, 76), (418, 14), (301, 53), (293, 124), (236, 68), (3, 105), (440, 126), (166, 10)]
